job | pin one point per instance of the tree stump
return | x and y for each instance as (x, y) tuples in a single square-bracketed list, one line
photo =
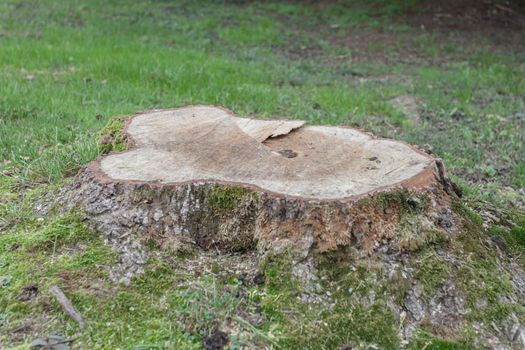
[(202, 176)]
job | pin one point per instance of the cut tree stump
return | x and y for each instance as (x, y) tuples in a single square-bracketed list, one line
[(200, 175)]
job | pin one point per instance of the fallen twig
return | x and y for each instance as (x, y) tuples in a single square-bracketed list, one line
[(67, 306), (504, 8)]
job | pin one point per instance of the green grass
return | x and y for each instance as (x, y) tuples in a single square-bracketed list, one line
[(68, 67)]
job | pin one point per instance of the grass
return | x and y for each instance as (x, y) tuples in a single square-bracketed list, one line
[(68, 67)]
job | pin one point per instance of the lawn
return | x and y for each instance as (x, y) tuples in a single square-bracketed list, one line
[(68, 67)]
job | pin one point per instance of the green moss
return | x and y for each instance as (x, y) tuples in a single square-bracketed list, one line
[(483, 280), (403, 201), (408, 201), (415, 232), (514, 236), (204, 307), (278, 273), (345, 321), (473, 219), (225, 198), (280, 287), (58, 232), (336, 264), (111, 137), (431, 270), (480, 275), (160, 273), (474, 268), (62, 251)]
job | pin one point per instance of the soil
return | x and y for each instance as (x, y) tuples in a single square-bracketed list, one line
[(497, 25), (489, 16), (28, 292), (216, 341)]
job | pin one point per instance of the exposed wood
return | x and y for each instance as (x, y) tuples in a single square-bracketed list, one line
[(208, 143), (67, 306)]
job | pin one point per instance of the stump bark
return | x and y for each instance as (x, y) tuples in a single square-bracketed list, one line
[(202, 176)]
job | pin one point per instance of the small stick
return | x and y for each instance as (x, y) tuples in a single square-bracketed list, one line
[(67, 306), (504, 8)]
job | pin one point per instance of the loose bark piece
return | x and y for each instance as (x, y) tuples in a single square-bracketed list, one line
[(200, 174), (66, 305), (264, 129)]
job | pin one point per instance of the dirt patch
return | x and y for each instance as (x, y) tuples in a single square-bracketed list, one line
[(500, 22), (437, 32), (489, 16), (216, 341), (364, 44), (28, 292)]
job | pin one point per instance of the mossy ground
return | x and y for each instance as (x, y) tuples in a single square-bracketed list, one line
[(174, 306), (68, 67)]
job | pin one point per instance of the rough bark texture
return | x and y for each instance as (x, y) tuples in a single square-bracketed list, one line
[(233, 216)]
